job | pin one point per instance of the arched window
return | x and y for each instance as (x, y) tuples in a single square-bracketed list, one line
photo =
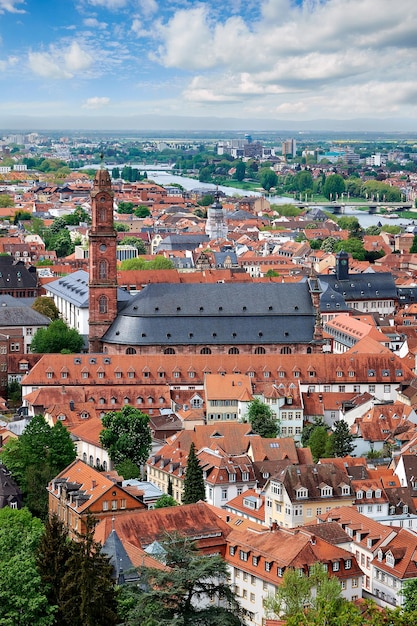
[(286, 350), (102, 269), (205, 351), (105, 466), (309, 350), (169, 351), (259, 350), (130, 351), (103, 304), (98, 462), (85, 457), (161, 400), (233, 350), (103, 214), (139, 400), (91, 460)]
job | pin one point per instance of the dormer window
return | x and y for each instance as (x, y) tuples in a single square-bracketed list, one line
[(389, 559), (326, 491), (380, 555), (301, 493), (369, 493), (359, 495), (345, 490), (378, 493)]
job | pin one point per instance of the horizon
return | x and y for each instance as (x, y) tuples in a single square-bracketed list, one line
[(297, 64)]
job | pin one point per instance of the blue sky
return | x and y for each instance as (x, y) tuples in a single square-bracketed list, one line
[(264, 59)]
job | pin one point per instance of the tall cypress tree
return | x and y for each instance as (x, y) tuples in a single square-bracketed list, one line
[(194, 488)]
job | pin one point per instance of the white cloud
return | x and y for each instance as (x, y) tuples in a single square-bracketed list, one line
[(60, 63), (92, 22), (148, 7), (6, 64), (109, 4), (9, 6), (137, 27), (96, 103), (327, 51)]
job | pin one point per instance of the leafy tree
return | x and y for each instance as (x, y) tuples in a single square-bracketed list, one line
[(318, 441), (206, 200), (128, 469), (328, 244), (195, 591), (88, 595), (373, 230), (413, 249), (334, 186), (321, 593), (23, 599), (6, 201), (136, 242), (126, 436), (351, 224), (410, 595), (164, 501), (40, 453), (46, 306), (120, 227), (267, 178), (303, 181), (125, 208), (194, 488), (159, 262), (142, 211), (115, 173), (262, 419), (14, 393), (56, 338), (352, 245), (240, 171), (271, 274)]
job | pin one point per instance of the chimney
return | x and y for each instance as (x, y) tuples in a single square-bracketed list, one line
[(274, 527), (93, 484), (313, 540)]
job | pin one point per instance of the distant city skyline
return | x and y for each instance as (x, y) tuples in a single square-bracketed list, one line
[(173, 64)]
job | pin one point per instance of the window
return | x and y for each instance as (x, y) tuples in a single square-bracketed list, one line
[(371, 388), (255, 561), (105, 505), (252, 597), (232, 550), (102, 270), (348, 563), (342, 388), (103, 304), (268, 566), (234, 350), (205, 351), (354, 582), (336, 566), (387, 388), (243, 555), (224, 494)]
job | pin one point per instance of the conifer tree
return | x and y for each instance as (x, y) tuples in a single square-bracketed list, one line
[(88, 595), (194, 488), (53, 552)]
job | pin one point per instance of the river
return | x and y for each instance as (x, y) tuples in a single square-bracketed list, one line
[(365, 219)]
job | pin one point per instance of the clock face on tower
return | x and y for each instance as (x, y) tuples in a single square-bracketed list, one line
[(343, 262)]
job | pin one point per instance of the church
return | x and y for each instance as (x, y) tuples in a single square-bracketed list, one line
[(222, 318)]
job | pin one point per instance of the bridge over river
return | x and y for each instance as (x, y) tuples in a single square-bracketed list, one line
[(372, 206)]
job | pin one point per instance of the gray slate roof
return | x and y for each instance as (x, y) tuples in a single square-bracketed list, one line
[(377, 286), (12, 314), (74, 289), (254, 313), (122, 565)]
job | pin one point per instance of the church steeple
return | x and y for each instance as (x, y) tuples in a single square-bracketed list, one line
[(102, 261)]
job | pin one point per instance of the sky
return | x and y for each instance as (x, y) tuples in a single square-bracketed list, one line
[(112, 63)]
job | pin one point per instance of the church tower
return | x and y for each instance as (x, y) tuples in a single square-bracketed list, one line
[(102, 261)]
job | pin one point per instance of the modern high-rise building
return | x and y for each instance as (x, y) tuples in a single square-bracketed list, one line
[(289, 147)]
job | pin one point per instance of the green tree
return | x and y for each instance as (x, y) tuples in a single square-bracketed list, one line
[(334, 186), (321, 593), (115, 173), (194, 488), (267, 178), (317, 442), (328, 244), (413, 249), (352, 245), (194, 591), (126, 435), (352, 225), (136, 242), (23, 599), (240, 171), (164, 501), (409, 592), (342, 440), (40, 453), (46, 306), (262, 419), (125, 208), (6, 201), (303, 181), (52, 554), (88, 595), (142, 211), (56, 338)]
